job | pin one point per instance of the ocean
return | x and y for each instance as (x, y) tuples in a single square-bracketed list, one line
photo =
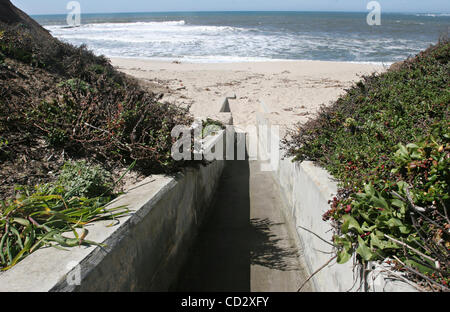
[(252, 36)]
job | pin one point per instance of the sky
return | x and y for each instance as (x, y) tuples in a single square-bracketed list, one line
[(33, 7)]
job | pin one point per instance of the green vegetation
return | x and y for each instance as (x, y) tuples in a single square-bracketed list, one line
[(82, 105), (387, 141), (40, 217), (76, 85), (60, 102), (86, 181), (3, 145), (211, 127)]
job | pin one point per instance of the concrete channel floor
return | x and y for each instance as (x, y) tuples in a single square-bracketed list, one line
[(244, 244)]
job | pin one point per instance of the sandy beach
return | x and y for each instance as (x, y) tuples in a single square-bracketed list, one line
[(291, 91)]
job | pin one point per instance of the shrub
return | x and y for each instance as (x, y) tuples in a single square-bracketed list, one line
[(83, 180), (387, 142), (76, 85), (83, 106)]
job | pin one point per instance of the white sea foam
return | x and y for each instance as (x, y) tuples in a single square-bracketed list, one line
[(434, 14), (206, 43)]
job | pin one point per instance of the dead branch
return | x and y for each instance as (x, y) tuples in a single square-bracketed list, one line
[(409, 201), (317, 271), (317, 236), (413, 249), (421, 275), (404, 279)]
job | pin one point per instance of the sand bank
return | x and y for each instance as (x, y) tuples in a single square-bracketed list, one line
[(291, 91)]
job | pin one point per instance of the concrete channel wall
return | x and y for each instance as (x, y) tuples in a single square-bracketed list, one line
[(306, 190), (144, 251)]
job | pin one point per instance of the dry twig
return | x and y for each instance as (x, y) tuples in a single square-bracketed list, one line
[(317, 271)]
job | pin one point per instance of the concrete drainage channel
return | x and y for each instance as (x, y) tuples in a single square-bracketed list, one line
[(244, 245), (227, 226)]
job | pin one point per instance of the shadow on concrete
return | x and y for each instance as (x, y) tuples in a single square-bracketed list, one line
[(266, 248), (229, 242)]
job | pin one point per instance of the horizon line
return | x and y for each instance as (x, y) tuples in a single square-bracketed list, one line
[(243, 11)]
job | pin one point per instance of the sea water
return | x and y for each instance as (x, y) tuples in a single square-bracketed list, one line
[(253, 36)]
